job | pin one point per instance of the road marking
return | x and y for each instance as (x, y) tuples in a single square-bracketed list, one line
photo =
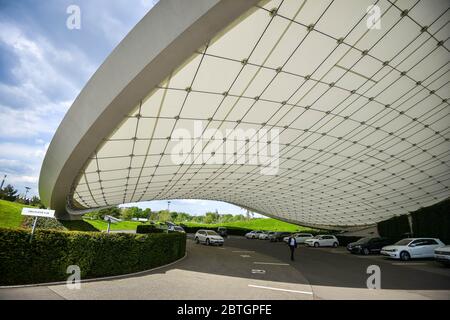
[(243, 251), (272, 263), (245, 256), (258, 271), (279, 289)]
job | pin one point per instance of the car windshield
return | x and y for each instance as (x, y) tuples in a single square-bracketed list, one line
[(317, 237), (179, 228), (211, 233), (403, 242)]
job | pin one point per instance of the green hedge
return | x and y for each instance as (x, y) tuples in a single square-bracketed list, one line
[(54, 224), (146, 228), (97, 254), (433, 221), (395, 228)]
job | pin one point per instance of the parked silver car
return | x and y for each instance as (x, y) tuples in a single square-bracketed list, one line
[(208, 237)]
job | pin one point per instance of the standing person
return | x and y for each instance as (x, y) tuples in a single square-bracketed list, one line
[(292, 243)]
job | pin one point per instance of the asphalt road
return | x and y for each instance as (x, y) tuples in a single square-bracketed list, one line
[(335, 268), (257, 269)]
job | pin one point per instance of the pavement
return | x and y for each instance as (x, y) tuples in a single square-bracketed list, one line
[(257, 269)]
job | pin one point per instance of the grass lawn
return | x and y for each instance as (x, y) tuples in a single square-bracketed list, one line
[(123, 225), (10, 214), (10, 217), (254, 224)]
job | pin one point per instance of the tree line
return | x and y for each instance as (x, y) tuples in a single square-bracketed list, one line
[(164, 215), (9, 193)]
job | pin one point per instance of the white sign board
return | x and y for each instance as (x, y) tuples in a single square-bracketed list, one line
[(38, 212)]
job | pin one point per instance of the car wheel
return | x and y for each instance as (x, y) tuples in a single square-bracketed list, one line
[(366, 251), (207, 242), (316, 244), (335, 245), (404, 256), (197, 241)]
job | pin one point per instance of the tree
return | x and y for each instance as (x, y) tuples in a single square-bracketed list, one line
[(9, 193), (131, 212), (164, 215), (226, 218), (100, 214), (114, 212), (211, 217), (239, 217), (153, 216), (35, 201), (146, 213), (183, 217)]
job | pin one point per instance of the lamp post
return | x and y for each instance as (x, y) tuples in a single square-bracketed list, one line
[(3, 181), (26, 192)]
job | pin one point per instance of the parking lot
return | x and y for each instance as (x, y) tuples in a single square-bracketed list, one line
[(333, 268), (258, 269)]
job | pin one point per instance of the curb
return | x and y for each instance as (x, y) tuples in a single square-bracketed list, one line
[(122, 276)]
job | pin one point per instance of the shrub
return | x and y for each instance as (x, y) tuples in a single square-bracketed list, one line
[(54, 224), (433, 221), (395, 228), (97, 254), (148, 228)]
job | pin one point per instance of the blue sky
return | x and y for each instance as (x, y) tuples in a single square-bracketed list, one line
[(43, 67)]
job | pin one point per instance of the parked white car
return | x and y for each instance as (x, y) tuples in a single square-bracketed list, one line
[(443, 255), (253, 234), (410, 248), (300, 237), (208, 237), (175, 229), (265, 235), (323, 240)]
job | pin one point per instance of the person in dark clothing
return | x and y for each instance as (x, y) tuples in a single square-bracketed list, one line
[(292, 243)]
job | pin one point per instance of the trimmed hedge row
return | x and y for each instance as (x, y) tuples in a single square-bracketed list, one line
[(433, 221), (395, 228), (49, 254), (54, 224), (148, 228)]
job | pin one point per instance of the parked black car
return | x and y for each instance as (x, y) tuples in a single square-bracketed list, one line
[(222, 231), (278, 236), (368, 245)]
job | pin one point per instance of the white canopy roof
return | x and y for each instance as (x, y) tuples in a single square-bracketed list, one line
[(355, 120)]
